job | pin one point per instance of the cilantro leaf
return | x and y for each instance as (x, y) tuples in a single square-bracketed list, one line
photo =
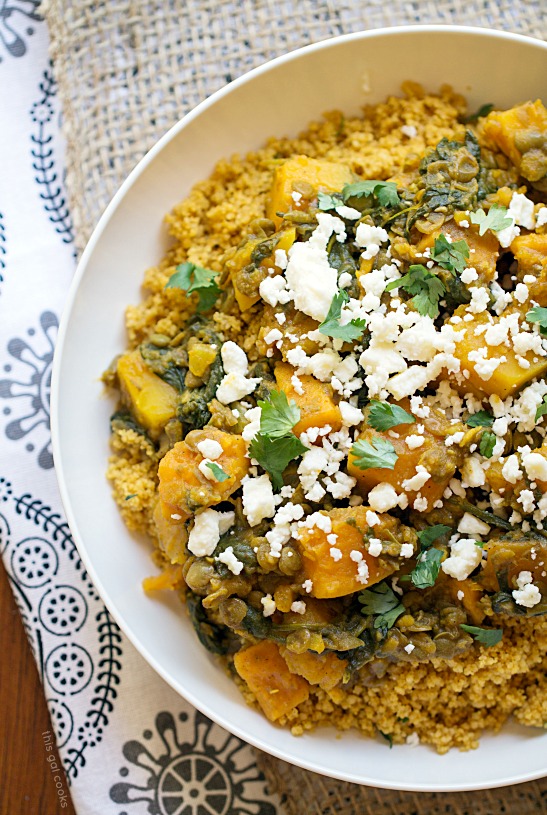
[(379, 453), (484, 110), (480, 419), (331, 327), (191, 278), (427, 569), (382, 601), (326, 201), (384, 191), (278, 416), (488, 636), (426, 287), (538, 315), (450, 256), (542, 409), (487, 444), (274, 455), (496, 220), (217, 471), (430, 535), (382, 415)]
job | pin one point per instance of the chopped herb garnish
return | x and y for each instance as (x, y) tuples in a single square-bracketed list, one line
[(133, 495), (278, 416), (378, 453), (430, 535), (191, 278), (384, 191), (487, 444), (487, 636), (426, 287), (480, 419), (538, 315), (542, 409), (427, 569), (217, 471), (382, 415), (496, 220), (382, 601), (275, 454), (484, 110), (331, 324), (450, 256)]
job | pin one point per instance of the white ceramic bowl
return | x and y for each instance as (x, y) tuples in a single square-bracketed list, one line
[(278, 98)]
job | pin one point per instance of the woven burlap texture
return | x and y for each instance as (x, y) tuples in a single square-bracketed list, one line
[(129, 69)]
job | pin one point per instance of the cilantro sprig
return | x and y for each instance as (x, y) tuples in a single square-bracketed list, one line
[(217, 471), (450, 256), (276, 445), (274, 455), (487, 444), (382, 415), (480, 419), (538, 315), (486, 636), (278, 416), (496, 220), (378, 453), (385, 193), (331, 324), (426, 287), (191, 278), (427, 569), (382, 602), (431, 534)]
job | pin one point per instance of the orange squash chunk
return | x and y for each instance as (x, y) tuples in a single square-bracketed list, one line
[(530, 252), (152, 401), (317, 406), (325, 670), (486, 247), (182, 486), (332, 578), (433, 449), (323, 176), (171, 534), (242, 258), (508, 377), (520, 134), (171, 578), (277, 690)]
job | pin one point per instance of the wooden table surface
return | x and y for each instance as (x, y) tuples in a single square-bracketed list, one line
[(27, 783)]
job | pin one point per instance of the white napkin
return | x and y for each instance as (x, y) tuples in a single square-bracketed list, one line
[(129, 744)]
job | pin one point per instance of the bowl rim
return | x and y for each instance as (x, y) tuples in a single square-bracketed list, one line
[(135, 173)]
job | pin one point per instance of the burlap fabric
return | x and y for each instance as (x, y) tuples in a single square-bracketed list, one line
[(127, 70)]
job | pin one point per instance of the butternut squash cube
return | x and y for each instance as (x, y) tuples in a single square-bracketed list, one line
[(325, 670), (472, 593), (151, 400), (486, 247), (520, 133), (317, 406), (170, 579), (171, 533), (530, 252), (336, 578), (433, 454), (242, 258), (184, 488), (322, 175), (277, 690), (508, 377)]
